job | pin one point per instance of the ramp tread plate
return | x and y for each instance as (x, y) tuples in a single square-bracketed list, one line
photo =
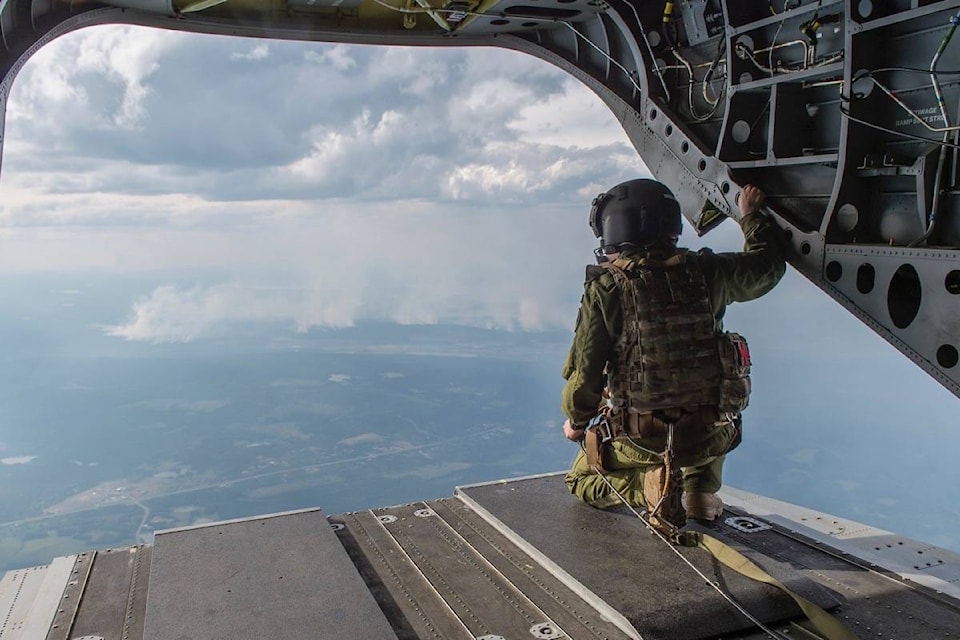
[(283, 576), (411, 603), (612, 555), (114, 596), (883, 603), (72, 596), (486, 603), (561, 604)]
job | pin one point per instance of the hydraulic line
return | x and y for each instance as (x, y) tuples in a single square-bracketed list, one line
[(653, 59), (903, 105), (954, 21), (956, 154), (914, 70), (752, 56), (903, 134), (955, 171), (776, 35), (605, 55), (690, 104), (708, 76), (811, 29), (935, 202)]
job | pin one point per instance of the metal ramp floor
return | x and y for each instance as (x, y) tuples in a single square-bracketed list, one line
[(511, 560)]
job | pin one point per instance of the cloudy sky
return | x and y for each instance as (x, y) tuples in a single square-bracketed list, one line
[(325, 184), (318, 186)]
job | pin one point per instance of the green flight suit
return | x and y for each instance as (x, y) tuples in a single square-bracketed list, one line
[(730, 277)]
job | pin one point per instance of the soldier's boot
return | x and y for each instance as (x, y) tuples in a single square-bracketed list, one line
[(662, 493), (701, 505)]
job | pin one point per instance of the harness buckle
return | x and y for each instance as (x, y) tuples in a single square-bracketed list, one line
[(600, 423)]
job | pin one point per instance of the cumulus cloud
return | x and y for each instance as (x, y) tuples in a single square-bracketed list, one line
[(260, 51), (99, 80), (509, 267), (332, 185), (567, 119), (318, 122), (502, 297), (171, 314), (339, 57), (519, 172)]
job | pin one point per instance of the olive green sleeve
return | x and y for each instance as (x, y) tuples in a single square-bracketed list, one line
[(739, 277), (592, 346)]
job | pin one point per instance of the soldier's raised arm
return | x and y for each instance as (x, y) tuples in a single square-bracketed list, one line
[(758, 268)]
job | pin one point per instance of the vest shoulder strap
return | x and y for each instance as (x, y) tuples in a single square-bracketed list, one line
[(594, 271), (634, 265)]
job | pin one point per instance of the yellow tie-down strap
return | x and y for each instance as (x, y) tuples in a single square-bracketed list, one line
[(826, 624)]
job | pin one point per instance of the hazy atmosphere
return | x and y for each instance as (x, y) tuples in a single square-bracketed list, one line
[(245, 276)]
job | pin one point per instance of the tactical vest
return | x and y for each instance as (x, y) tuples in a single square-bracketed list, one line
[(668, 355)]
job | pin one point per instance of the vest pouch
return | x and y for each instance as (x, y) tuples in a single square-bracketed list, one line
[(734, 372), (593, 446), (666, 357)]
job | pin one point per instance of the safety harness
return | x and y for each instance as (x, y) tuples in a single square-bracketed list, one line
[(672, 373)]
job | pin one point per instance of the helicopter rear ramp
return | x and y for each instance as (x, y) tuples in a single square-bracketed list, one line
[(509, 559)]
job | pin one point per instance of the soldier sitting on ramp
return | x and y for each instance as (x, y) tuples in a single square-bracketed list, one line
[(655, 387)]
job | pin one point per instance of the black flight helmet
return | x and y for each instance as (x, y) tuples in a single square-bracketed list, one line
[(635, 213)]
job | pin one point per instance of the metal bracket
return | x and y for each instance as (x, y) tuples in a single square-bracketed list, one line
[(746, 524)]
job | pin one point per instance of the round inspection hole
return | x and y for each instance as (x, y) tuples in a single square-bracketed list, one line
[(684, 147), (952, 282), (788, 234), (847, 217), (903, 296), (702, 165), (947, 356), (653, 114), (725, 187), (805, 248), (834, 271), (866, 278), (668, 131), (740, 131), (499, 22)]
